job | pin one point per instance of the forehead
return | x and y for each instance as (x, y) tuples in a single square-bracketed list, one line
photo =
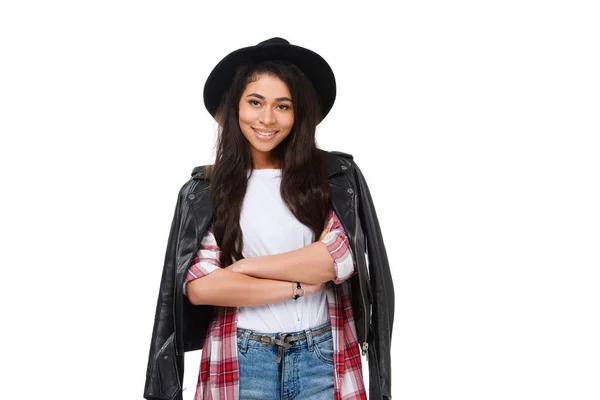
[(267, 85)]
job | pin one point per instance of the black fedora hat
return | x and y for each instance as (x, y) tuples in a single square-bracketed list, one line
[(312, 64)]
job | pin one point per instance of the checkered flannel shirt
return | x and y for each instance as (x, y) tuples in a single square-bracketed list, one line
[(219, 370)]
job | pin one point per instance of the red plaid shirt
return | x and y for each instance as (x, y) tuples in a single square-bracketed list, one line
[(219, 370)]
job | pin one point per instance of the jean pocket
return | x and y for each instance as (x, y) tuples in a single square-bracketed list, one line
[(324, 350)]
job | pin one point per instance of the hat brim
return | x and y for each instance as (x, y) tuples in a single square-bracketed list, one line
[(313, 65)]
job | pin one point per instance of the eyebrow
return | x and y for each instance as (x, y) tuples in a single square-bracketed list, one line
[(263, 97)]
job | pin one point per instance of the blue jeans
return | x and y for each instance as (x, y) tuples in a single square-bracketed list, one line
[(305, 370)]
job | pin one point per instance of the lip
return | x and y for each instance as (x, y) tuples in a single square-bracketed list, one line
[(264, 138)]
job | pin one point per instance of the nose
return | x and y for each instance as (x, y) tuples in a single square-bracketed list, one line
[(267, 116)]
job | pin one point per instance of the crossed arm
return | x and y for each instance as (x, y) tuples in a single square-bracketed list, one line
[(269, 279)]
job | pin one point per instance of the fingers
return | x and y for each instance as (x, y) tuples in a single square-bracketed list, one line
[(326, 229), (328, 226)]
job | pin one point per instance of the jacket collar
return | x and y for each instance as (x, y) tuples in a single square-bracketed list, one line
[(337, 162)]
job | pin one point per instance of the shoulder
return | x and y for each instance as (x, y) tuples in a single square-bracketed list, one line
[(338, 161), (342, 154), (201, 172), (336, 155), (198, 180), (200, 177)]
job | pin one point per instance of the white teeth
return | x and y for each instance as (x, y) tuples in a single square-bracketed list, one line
[(265, 134)]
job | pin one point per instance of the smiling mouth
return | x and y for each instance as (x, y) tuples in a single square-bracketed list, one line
[(265, 132)]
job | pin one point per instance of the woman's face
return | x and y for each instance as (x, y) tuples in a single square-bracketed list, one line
[(266, 117)]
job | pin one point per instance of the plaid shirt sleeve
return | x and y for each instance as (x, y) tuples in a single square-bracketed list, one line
[(339, 248), (206, 260)]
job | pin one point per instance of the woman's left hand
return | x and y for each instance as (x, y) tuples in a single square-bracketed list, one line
[(235, 267), (327, 229)]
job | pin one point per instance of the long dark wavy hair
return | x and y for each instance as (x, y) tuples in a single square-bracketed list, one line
[(304, 181)]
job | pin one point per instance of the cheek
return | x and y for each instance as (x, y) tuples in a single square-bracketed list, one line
[(289, 122), (245, 115)]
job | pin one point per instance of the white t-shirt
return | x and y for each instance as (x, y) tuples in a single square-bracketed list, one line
[(269, 227)]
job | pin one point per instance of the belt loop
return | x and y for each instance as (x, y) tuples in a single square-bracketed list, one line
[(245, 338), (282, 344), (309, 339)]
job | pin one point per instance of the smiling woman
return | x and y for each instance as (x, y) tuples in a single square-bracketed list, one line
[(266, 117), (269, 237)]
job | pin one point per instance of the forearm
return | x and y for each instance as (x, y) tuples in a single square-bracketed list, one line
[(310, 264), (231, 289)]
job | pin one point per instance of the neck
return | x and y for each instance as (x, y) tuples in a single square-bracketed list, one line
[(265, 163)]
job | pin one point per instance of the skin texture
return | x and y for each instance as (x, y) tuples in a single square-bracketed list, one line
[(233, 289), (265, 106), (311, 264), (267, 279)]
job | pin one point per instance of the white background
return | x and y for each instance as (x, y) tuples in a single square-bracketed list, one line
[(476, 124)]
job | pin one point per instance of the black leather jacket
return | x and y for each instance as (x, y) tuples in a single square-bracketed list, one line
[(180, 326)]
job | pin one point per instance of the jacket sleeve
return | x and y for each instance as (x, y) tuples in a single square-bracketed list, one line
[(382, 288), (161, 381)]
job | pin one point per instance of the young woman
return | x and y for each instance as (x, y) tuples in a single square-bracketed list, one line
[(279, 272)]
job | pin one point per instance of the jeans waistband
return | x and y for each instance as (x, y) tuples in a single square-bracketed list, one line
[(283, 340)]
